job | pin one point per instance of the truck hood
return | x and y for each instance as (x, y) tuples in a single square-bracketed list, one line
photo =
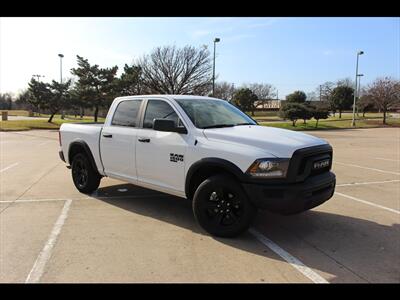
[(278, 142)]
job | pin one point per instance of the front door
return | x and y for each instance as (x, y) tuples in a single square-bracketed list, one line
[(160, 155)]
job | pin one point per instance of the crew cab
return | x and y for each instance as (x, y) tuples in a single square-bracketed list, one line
[(205, 150)]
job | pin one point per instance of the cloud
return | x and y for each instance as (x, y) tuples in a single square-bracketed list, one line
[(200, 33), (328, 52)]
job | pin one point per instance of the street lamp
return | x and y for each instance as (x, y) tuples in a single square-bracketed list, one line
[(61, 57), (359, 85), (216, 40), (37, 76), (353, 122), (358, 90)]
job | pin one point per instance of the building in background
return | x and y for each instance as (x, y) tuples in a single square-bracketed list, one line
[(273, 104)]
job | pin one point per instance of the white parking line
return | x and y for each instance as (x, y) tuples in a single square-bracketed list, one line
[(367, 183), (85, 198), (368, 203), (9, 167), (39, 200), (44, 143), (40, 263), (293, 261), (381, 158), (373, 169)]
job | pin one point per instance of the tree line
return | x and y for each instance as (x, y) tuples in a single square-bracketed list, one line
[(382, 94), (188, 70), (166, 70)]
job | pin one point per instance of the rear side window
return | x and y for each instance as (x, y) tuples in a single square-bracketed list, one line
[(126, 113), (158, 109)]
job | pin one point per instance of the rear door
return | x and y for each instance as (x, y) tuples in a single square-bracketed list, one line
[(118, 141), (160, 155)]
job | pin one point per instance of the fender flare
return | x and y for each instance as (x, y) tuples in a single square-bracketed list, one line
[(86, 148), (212, 162)]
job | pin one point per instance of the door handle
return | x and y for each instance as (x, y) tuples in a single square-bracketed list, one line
[(144, 140), (107, 135)]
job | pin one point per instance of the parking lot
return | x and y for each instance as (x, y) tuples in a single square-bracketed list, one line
[(49, 232)]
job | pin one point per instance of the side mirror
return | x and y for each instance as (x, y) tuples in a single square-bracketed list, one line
[(167, 125)]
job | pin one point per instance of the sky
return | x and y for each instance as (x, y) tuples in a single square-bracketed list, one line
[(290, 53)]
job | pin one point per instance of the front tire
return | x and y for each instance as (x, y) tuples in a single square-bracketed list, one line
[(221, 207), (85, 177)]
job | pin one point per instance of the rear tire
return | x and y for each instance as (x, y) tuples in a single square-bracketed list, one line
[(85, 177), (221, 207)]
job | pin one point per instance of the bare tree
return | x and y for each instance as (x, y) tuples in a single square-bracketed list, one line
[(312, 96), (348, 82), (364, 103), (326, 90), (264, 91), (172, 70), (6, 101), (385, 94), (224, 90)]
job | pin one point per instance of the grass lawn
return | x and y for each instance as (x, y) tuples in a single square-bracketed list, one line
[(264, 118), (23, 113), (333, 124), (16, 125)]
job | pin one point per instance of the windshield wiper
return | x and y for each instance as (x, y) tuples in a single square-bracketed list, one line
[(218, 126), (244, 124)]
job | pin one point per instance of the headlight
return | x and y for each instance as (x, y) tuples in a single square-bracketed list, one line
[(269, 167)]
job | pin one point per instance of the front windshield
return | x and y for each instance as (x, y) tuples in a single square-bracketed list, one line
[(206, 113)]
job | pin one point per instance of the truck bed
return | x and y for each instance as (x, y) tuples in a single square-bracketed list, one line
[(84, 132)]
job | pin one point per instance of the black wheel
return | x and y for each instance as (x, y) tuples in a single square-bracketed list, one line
[(85, 178), (221, 206)]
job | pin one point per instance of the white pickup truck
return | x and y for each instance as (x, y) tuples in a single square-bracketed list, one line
[(203, 149)]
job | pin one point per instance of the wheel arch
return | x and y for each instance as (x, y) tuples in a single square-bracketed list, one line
[(207, 167), (80, 146)]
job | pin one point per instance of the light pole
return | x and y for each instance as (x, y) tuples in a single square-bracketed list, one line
[(320, 92), (359, 85), (37, 76), (358, 90), (61, 57), (216, 40), (353, 122)]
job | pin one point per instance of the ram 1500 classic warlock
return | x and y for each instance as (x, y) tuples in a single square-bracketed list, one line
[(203, 149)]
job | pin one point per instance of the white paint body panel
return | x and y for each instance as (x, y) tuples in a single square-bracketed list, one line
[(118, 153), (90, 133), (279, 142), (149, 165)]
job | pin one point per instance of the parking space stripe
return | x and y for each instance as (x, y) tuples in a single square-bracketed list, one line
[(388, 159), (367, 168), (293, 261), (38, 200), (368, 203), (44, 143), (9, 167), (85, 198), (37, 270), (367, 183)]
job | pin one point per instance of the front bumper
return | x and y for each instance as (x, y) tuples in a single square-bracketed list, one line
[(294, 198)]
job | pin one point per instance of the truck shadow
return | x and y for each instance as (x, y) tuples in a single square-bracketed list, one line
[(335, 244)]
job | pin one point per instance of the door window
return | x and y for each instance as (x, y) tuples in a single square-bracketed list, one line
[(158, 109), (126, 113)]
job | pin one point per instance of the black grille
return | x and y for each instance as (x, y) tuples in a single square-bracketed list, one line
[(302, 161)]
